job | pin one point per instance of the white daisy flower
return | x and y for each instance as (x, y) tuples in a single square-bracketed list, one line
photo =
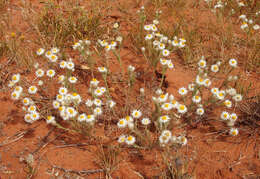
[(98, 111), (121, 139), (156, 43), (94, 82), (70, 65), (26, 101), (89, 103), (221, 95), (131, 68), (32, 108), (130, 140), (63, 64), (182, 108), (167, 106), (148, 37), (233, 132), (90, 118), (256, 27), (82, 117), (102, 69), (71, 112), (233, 117), (233, 62), (122, 123), (51, 120), (244, 25), (243, 16), (48, 54), (181, 44), (63, 90), (182, 91), (182, 140), (50, 73), (98, 92), (136, 114), (170, 64), (55, 50), (40, 82), (113, 44), (225, 115), (165, 53), (111, 103), (191, 87), (107, 48), (59, 97), (97, 102), (214, 68), (207, 82), (199, 80), (161, 46), (76, 98), (146, 121), (55, 104), (167, 133), (154, 28), (18, 89), (175, 42), (227, 103), (76, 45), (159, 91), (215, 91), (200, 111), (163, 61), (175, 104), (103, 43), (164, 119), (53, 58), (32, 89), (129, 119), (16, 78), (163, 97), (40, 51), (73, 79), (28, 118), (35, 116), (196, 99), (119, 39), (61, 78), (147, 27), (39, 73), (164, 139), (237, 97), (202, 63), (15, 95)]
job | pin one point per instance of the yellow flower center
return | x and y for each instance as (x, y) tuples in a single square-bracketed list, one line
[(71, 111), (182, 107), (129, 138)]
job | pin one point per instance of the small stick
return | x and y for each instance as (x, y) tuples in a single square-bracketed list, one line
[(86, 172)]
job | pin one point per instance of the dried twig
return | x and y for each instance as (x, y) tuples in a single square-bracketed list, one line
[(81, 172)]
